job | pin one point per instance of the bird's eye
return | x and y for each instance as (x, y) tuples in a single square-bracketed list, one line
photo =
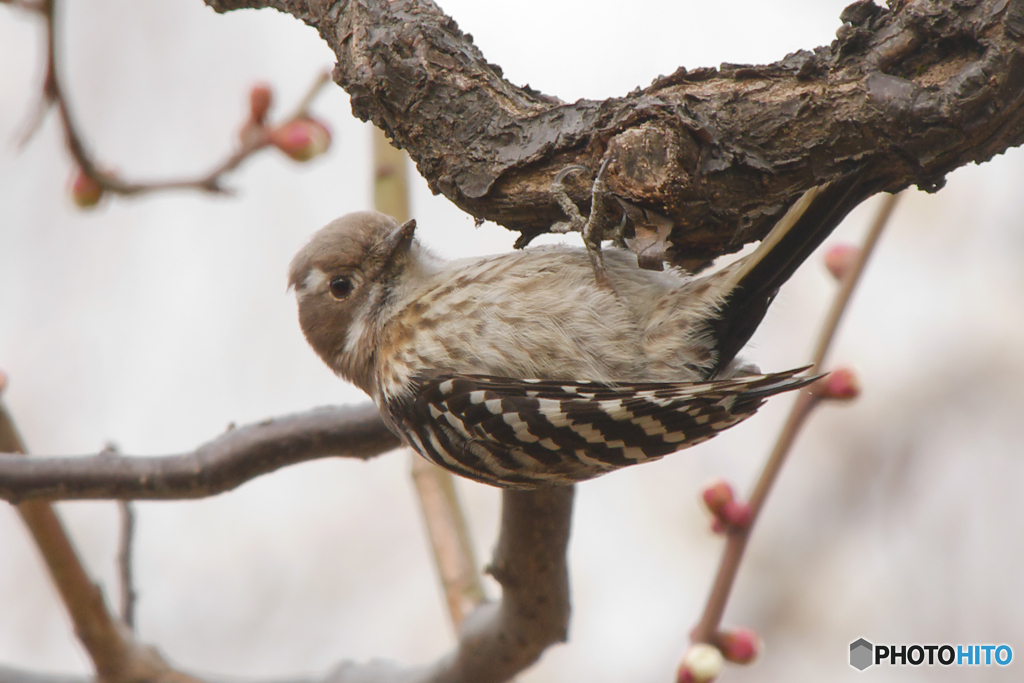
[(341, 287)]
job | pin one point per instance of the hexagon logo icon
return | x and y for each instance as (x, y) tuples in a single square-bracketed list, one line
[(861, 652)]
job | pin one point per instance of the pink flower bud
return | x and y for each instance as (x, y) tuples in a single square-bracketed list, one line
[(302, 138), (838, 385), (260, 99), (840, 258), (716, 495), (86, 192), (702, 663), (737, 514), (728, 513), (739, 646)]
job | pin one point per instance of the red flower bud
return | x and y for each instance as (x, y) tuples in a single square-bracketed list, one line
[(260, 99), (728, 513), (85, 190), (739, 646), (840, 258), (716, 495), (737, 514), (302, 138), (838, 385)]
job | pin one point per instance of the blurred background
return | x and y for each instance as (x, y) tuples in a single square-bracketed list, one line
[(155, 322)]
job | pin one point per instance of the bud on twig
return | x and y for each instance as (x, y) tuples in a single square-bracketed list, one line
[(737, 514), (716, 495), (840, 258), (254, 131), (702, 663), (260, 99), (86, 192), (727, 511), (838, 385), (739, 646), (302, 138)]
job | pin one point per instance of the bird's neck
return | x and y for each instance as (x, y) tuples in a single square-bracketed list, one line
[(357, 361)]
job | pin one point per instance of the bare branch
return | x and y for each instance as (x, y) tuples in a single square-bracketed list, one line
[(909, 93), (12, 675), (255, 138), (449, 538), (499, 640), (115, 655), (732, 556), (125, 547), (124, 563), (226, 462), (496, 640), (849, 282)]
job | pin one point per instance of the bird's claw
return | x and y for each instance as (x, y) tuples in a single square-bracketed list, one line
[(592, 229)]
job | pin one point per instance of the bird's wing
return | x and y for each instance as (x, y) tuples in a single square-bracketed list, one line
[(514, 432)]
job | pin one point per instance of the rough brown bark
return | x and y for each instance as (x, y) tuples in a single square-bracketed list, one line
[(906, 93)]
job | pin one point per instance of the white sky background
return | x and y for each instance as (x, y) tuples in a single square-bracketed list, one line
[(155, 322)]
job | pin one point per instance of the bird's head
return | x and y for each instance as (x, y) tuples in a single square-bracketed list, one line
[(341, 280)]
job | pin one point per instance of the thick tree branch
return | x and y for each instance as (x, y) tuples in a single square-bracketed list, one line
[(226, 462), (498, 640), (911, 92)]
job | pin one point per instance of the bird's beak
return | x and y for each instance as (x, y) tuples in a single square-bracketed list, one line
[(398, 241)]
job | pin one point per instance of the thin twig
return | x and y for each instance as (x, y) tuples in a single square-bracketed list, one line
[(449, 539), (706, 629), (125, 546), (124, 552), (850, 280), (302, 108), (48, 96), (124, 562), (54, 94)]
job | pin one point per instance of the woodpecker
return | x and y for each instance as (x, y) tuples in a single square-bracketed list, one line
[(519, 371)]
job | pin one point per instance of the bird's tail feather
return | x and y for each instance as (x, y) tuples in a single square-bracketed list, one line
[(806, 224)]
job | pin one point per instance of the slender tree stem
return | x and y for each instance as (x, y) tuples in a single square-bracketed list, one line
[(736, 542)]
